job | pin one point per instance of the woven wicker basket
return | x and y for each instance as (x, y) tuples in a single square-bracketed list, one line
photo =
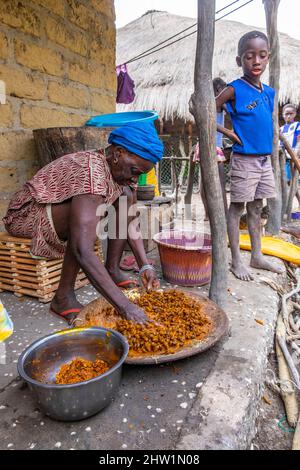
[(185, 257)]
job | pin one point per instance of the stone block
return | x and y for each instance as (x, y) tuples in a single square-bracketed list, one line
[(17, 145), (67, 95), (103, 103), (84, 72), (55, 6), (8, 177), (106, 7), (20, 15), (39, 58), (4, 51), (6, 115), (69, 38), (21, 84), (38, 117)]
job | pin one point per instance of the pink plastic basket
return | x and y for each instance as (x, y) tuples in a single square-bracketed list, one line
[(185, 256)]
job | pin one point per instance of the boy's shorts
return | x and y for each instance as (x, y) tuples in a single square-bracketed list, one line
[(251, 177)]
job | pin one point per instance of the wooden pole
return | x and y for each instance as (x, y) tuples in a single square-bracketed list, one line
[(290, 151), (189, 188), (191, 176), (292, 193), (203, 108), (275, 204), (284, 186)]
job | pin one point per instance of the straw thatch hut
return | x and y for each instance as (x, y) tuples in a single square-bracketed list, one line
[(165, 80)]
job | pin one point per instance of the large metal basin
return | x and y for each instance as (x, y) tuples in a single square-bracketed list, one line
[(40, 362)]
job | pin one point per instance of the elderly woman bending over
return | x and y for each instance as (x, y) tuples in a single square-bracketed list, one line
[(59, 210)]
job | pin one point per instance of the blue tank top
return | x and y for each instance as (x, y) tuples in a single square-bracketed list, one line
[(252, 118)]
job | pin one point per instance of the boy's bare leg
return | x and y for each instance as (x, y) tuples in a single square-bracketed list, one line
[(258, 261), (238, 267)]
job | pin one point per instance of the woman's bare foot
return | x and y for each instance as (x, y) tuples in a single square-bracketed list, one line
[(262, 263), (241, 271), (59, 305), (121, 280)]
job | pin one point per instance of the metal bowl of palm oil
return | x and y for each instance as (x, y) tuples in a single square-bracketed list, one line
[(40, 364)]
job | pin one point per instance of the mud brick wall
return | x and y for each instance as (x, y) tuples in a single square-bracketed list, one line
[(57, 60)]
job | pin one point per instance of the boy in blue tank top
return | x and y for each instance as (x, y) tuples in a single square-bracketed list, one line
[(250, 105), (291, 131)]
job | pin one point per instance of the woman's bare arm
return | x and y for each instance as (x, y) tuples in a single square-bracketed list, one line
[(82, 237)]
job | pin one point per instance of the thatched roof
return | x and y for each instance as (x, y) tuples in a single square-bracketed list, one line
[(164, 80)]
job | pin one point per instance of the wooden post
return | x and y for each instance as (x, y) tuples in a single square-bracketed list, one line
[(275, 204), (203, 108), (284, 186), (191, 176), (189, 188), (292, 193)]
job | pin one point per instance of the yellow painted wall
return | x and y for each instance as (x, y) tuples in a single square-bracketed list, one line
[(57, 61)]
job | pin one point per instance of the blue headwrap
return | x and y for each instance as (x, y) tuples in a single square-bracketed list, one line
[(140, 139)]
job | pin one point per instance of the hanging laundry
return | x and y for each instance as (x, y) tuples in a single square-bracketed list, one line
[(125, 91)]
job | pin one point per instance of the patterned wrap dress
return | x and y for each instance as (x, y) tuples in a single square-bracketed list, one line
[(85, 172)]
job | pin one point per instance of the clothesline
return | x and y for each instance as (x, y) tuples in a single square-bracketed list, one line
[(180, 32), (154, 49)]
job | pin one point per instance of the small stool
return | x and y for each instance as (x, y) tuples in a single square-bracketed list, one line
[(24, 275)]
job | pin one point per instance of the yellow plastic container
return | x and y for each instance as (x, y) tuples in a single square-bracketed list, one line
[(6, 325), (149, 178), (274, 247)]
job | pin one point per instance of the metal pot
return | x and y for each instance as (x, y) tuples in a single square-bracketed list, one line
[(40, 362)]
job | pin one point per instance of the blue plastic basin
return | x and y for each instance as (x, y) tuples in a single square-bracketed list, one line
[(119, 119)]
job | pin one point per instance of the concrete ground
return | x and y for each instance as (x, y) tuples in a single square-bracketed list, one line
[(209, 401), (273, 431)]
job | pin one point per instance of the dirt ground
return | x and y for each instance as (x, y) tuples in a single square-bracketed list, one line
[(273, 431)]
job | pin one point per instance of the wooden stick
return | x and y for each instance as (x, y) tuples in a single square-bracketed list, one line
[(293, 324), (203, 108), (295, 305), (290, 151), (287, 392), (4, 237), (292, 337), (295, 347), (289, 360), (296, 440)]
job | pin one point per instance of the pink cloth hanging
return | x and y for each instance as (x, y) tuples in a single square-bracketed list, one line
[(125, 91)]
